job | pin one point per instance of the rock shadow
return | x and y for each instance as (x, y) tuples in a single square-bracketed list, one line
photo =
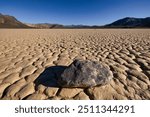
[(49, 77)]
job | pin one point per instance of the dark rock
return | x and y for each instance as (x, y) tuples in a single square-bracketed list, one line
[(85, 73)]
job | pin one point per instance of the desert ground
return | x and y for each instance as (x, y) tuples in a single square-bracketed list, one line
[(30, 60)]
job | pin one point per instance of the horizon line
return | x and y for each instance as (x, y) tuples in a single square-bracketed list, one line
[(73, 24)]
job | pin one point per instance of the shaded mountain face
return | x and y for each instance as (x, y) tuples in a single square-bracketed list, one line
[(7, 21), (131, 22)]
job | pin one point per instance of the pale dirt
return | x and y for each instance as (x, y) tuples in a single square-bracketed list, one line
[(28, 60)]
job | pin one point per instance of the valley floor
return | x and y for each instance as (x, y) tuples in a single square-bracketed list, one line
[(30, 60)]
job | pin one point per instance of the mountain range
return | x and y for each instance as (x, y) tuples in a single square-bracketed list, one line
[(7, 21), (131, 22), (44, 25)]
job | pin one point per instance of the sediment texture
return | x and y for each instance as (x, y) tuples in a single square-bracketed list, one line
[(31, 59)]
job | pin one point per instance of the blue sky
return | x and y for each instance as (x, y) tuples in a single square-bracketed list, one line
[(89, 12)]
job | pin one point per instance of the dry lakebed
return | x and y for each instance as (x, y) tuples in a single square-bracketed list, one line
[(31, 59)]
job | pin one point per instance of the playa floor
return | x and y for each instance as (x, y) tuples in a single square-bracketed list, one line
[(30, 60)]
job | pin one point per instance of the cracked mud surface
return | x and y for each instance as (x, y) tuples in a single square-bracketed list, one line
[(31, 59)]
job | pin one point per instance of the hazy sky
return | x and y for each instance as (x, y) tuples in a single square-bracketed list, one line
[(89, 12)]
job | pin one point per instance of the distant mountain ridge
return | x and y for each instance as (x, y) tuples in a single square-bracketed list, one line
[(45, 25), (131, 22), (7, 21)]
